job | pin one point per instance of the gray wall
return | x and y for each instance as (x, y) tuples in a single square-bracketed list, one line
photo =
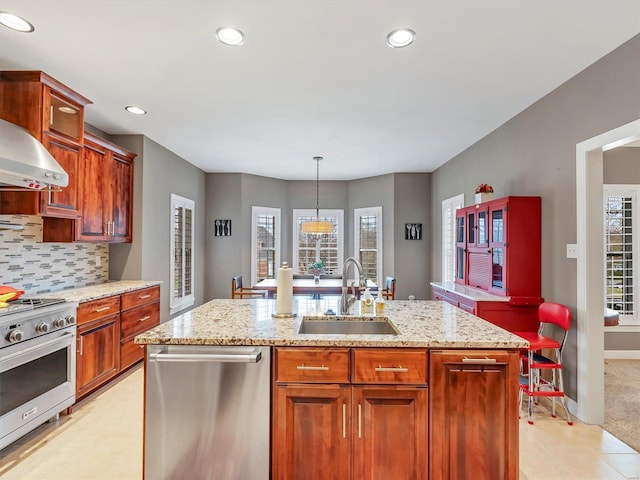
[(232, 196), (412, 258), (622, 165), (158, 173), (534, 153)]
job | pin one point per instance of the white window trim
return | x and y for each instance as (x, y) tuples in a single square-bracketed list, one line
[(627, 190), (255, 212), (298, 212), (369, 211), (448, 267), (178, 304)]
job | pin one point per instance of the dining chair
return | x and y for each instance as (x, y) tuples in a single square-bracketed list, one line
[(389, 290), (238, 291)]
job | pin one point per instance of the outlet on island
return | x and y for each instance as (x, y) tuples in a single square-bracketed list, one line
[(98, 261)]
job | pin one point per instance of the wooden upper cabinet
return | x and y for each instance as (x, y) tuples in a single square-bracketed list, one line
[(498, 248), (53, 114), (106, 192)]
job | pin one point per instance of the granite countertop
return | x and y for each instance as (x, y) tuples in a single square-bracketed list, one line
[(94, 292), (422, 323), (470, 292)]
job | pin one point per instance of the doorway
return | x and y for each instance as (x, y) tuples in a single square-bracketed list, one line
[(590, 275)]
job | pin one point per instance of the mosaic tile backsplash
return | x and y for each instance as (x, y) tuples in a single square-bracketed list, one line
[(36, 267)]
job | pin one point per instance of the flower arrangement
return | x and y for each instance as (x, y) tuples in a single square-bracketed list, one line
[(316, 268), (484, 188)]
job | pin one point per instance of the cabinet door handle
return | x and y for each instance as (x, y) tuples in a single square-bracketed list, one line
[(142, 297), (344, 420), (479, 361), (399, 368), (359, 421), (81, 339), (305, 367), (102, 309), (146, 317)]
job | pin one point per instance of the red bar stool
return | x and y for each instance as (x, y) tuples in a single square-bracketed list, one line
[(533, 362)]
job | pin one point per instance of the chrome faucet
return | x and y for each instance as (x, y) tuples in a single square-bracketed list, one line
[(347, 300)]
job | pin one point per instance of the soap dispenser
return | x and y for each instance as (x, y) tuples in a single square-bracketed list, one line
[(379, 304), (366, 303)]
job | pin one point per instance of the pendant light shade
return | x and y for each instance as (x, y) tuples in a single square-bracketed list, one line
[(317, 227)]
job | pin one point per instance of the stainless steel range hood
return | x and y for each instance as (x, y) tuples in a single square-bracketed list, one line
[(25, 162)]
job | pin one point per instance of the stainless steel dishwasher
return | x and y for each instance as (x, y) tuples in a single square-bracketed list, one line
[(207, 412)]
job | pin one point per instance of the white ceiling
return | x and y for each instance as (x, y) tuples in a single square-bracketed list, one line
[(314, 77)]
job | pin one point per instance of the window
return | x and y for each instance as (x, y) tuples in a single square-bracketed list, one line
[(182, 253), (620, 243), (326, 247), (449, 207), (265, 243), (368, 241)]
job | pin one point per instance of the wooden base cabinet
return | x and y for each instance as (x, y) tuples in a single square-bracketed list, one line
[(389, 432), (97, 353), (473, 425), (106, 330), (312, 432), (373, 430)]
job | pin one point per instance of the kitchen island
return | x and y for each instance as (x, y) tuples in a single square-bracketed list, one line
[(437, 399)]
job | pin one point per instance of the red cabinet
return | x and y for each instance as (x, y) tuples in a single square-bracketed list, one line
[(498, 250)]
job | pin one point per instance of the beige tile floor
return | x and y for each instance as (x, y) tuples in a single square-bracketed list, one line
[(102, 439)]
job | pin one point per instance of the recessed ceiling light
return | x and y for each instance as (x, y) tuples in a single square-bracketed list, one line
[(14, 22), (230, 36), (401, 38), (135, 110)]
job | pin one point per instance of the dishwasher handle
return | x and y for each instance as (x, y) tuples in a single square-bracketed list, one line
[(251, 357)]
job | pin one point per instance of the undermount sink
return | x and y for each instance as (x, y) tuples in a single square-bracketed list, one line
[(346, 325)]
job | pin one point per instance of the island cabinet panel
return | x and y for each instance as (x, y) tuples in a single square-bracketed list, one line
[(312, 432), (389, 431), (97, 353), (372, 400), (473, 427), (312, 365)]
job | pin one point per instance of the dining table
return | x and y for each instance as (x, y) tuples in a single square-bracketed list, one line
[(308, 286)]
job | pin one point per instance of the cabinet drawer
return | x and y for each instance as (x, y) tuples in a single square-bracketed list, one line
[(382, 365), (312, 365), (140, 297), (130, 353), (94, 309), (139, 319)]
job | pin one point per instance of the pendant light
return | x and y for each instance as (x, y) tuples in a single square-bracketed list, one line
[(317, 227)]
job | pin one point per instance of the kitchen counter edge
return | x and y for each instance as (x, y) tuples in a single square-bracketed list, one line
[(95, 292)]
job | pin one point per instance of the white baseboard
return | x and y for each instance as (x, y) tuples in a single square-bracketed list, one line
[(622, 354)]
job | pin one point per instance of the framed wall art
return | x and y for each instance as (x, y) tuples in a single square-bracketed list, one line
[(413, 231), (222, 228)]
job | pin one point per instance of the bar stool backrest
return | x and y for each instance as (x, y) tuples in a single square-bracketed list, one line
[(555, 314)]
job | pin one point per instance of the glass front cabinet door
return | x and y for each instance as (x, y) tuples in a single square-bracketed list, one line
[(497, 215), (460, 276)]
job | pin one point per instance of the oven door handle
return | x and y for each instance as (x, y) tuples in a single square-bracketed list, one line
[(61, 339)]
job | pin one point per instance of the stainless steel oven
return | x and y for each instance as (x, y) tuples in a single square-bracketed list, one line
[(37, 364)]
